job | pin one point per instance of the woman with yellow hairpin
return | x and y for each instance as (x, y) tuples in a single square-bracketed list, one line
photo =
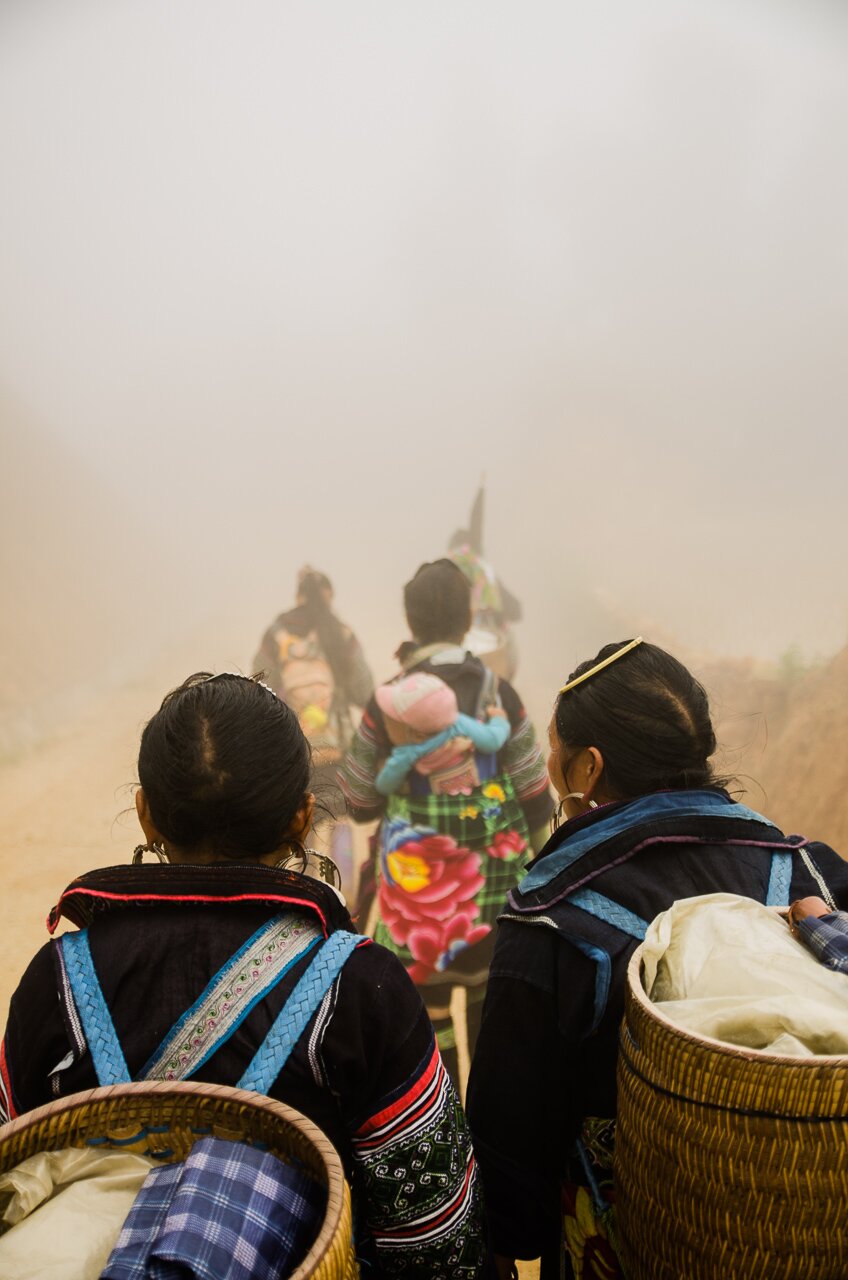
[(643, 821)]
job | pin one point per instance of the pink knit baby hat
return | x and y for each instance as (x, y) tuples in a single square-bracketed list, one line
[(421, 700)]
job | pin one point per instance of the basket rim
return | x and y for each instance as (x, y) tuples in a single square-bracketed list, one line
[(328, 1154), (636, 988)]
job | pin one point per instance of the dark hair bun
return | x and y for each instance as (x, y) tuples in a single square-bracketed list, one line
[(647, 715), (225, 767), (438, 602)]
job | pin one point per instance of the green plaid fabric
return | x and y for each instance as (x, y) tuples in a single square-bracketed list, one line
[(490, 817)]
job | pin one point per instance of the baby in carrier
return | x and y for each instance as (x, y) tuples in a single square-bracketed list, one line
[(432, 736)]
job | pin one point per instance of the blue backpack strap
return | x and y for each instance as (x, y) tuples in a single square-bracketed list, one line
[(101, 1037), (610, 912), (290, 1023), (780, 878)]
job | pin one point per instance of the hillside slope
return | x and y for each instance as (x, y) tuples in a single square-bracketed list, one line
[(786, 739)]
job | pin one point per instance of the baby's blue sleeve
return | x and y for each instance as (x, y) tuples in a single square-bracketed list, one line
[(488, 736), (393, 773)]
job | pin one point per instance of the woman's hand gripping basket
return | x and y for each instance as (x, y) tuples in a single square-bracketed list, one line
[(731, 1164)]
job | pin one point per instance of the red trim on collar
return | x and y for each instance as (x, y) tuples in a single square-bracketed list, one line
[(57, 911)]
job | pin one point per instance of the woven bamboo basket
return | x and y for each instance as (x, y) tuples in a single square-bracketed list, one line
[(167, 1119), (730, 1164)]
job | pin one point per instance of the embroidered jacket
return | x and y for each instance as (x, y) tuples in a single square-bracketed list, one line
[(366, 1068), (547, 1050)]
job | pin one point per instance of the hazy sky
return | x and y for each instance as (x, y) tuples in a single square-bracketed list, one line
[(287, 277)]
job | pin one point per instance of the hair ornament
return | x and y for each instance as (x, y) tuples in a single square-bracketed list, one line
[(599, 666), (239, 676)]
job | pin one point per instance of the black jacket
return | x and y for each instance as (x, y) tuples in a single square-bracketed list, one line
[(159, 933), (546, 1056)]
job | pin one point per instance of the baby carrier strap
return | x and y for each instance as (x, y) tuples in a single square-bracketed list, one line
[(97, 1025), (604, 908), (228, 998), (780, 878), (488, 695), (292, 1020)]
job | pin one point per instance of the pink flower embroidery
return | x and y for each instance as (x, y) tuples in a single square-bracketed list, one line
[(427, 901), (507, 844)]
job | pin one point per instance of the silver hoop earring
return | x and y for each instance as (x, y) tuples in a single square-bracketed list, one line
[(312, 863), (141, 849), (572, 795)]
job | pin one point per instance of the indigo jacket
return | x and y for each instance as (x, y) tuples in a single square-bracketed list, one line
[(546, 1056)]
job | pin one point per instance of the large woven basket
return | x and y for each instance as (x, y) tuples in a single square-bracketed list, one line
[(730, 1164), (167, 1119)]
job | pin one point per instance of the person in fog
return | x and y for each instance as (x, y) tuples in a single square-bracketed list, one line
[(494, 609), (315, 663), (143, 990), (646, 822), (455, 833)]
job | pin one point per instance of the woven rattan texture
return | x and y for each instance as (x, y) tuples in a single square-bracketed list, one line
[(164, 1120), (730, 1165)]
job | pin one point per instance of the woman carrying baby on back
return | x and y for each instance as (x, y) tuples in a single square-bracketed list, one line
[(447, 758)]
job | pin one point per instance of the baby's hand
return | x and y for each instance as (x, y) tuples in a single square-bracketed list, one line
[(808, 907), (804, 907), (495, 711)]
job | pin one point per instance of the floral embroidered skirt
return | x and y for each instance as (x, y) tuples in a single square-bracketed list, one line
[(446, 865), (588, 1203)]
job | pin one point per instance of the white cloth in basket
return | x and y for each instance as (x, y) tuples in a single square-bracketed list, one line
[(727, 967), (61, 1211)]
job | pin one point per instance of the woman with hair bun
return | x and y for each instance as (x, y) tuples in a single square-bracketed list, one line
[(644, 822), (222, 962)]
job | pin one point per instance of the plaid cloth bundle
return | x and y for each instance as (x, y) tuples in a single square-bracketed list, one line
[(827, 938), (229, 1212)]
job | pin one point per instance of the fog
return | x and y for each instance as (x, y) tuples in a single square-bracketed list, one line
[(279, 282)]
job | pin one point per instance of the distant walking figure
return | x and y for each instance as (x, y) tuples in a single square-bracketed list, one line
[(493, 608), (315, 663)]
